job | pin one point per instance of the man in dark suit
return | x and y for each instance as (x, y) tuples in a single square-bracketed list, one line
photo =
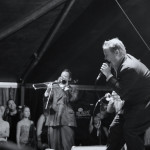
[(61, 120), (130, 78)]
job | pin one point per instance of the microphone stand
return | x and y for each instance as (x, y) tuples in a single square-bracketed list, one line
[(99, 101), (98, 129)]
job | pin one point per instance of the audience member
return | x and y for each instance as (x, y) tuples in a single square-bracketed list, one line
[(12, 116), (42, 131), (4, 127), (99, 125), (25, 130)]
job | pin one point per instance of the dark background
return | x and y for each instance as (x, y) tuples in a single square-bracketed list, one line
[(76, 44)]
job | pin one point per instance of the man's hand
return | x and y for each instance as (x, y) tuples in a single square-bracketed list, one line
[(110, 106), (106, 69)]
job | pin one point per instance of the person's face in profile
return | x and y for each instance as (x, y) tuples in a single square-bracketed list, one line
[(111, 57)]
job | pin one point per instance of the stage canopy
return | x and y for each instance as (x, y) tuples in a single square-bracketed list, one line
[(40, 38)]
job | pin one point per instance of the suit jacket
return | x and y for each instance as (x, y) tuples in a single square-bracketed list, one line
[(131, 82), (61, 111)]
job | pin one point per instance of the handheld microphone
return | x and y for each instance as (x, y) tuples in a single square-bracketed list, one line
[(99, 75)]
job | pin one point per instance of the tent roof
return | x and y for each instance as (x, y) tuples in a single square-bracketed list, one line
[(42, 37)]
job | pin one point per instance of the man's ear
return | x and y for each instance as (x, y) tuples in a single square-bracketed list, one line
[(117, 52)]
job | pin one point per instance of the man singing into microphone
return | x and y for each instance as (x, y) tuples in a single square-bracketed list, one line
[(130, 78), (61, 120)]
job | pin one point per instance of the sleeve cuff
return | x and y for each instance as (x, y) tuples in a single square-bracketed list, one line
[(109, 77)]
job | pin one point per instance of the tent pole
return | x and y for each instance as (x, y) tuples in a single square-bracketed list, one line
[(35, 15), (22, 89), (46, 43)]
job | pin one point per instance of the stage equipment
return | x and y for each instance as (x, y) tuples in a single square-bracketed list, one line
[(88, 148)]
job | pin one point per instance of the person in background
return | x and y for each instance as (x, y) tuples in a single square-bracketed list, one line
[(25, 128), (130, 79), (12, 115), (99, 124), (98, 132), (42, 131), (114, 106), (4, 127), (62, 116)]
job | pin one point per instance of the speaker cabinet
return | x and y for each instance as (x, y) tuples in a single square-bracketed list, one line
[(88, 148)]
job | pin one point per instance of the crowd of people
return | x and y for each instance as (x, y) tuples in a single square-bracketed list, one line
[(19, 129), (16, 126), (55, 127)]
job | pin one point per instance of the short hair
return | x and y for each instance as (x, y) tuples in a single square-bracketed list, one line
[(114, 44), (67, 70)]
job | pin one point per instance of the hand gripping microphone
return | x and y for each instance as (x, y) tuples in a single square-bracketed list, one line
[(100, 74)]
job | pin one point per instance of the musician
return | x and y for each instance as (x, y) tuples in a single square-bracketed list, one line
[(130, 78), (61, 120)]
